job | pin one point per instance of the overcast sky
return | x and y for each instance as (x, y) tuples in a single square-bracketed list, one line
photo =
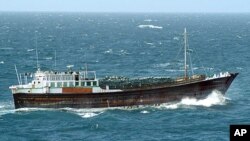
[(204, 6)]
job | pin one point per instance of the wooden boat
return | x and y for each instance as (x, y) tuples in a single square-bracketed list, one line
[(81, 89)]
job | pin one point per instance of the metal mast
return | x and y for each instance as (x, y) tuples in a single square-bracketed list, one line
[(185, 52), (37, 64)]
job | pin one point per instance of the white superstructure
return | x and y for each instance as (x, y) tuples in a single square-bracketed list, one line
[(59, 82)]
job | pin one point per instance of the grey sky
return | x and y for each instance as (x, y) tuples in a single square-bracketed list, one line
[(229, 6)]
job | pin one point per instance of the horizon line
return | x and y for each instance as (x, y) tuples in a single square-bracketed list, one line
[(125, 12)]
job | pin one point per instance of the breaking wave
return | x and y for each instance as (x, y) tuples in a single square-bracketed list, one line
[(150, 26)]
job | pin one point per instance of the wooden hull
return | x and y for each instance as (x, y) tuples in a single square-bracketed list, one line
[(125, 98)]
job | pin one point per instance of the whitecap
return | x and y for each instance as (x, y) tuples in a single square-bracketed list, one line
[(123, 52), (86, 112), (31, 49), (238, 36), (48, 58), (239, 68), (150, 26), (176, 38), (144, 112), (162, 65), (109, 51), (1, 62), (172, 70), (148, 43)]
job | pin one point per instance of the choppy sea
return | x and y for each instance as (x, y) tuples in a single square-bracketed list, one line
[(132, 45)]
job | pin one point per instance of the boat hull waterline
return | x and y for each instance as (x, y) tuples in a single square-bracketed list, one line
[(152, 96)]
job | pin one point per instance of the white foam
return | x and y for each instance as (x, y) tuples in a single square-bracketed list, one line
[(6, 108), (1, 62), (144, 112), (33, 109), (148, 20), (176, 38), (163, 65), (150, 26), (123, 52), (238, 36), (86, 113), (239, 68), (109, 51), (48, 58), (148, 43), (215, 98), (29, 50)]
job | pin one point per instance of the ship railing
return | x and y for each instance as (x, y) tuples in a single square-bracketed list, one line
[(185, 80), (87, 75), (221, 74), (24, 78)]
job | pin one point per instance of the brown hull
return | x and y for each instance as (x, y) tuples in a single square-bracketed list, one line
[(125, 98)]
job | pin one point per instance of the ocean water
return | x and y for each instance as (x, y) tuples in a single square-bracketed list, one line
[(133, 45)]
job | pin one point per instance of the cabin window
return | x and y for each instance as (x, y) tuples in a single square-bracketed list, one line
[(52, 84), (77, 83), (71, 84), (65, 84), (83, 84), (88, 83), (94, 83), (59, 84)]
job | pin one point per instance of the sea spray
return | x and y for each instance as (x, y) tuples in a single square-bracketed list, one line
[(215, 98), (6, 108)]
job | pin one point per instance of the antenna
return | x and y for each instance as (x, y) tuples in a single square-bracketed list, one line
[(17, 76), (55, 59), (185, 51), (37, 64), (86, 70)]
